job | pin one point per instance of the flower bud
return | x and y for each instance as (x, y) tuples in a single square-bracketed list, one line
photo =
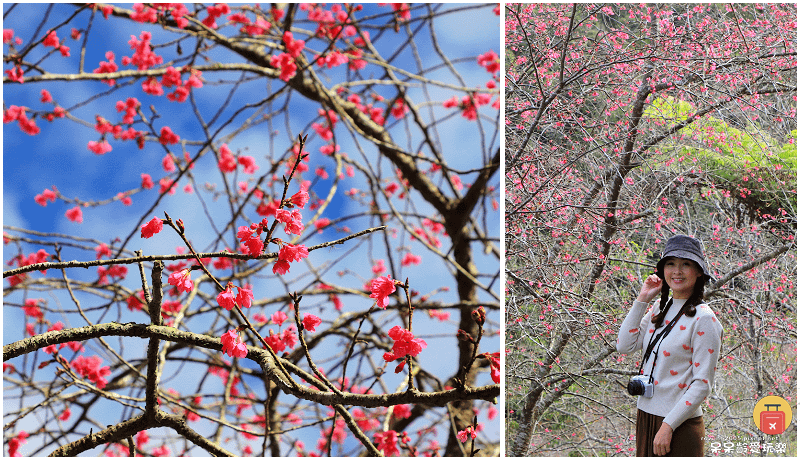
[(479, 315), (464, 336)]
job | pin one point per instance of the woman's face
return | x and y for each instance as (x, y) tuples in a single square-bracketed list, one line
[(681, 276)]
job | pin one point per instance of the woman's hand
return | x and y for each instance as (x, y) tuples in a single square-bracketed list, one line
[(650, 289), (662, 440)]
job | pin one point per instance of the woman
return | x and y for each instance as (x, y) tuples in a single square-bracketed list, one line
[(681, 337)]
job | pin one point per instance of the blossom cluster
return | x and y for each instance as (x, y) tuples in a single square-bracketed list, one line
[(470, 103), (386, 441), (15, 441), (227, 162), (404, 345), (381, 288), (152, 227), (17, 113), (37, 257), (494, 364), (467, 434), (90, 367), (347, 46), (182, 280), (232, 344), (244, 297)]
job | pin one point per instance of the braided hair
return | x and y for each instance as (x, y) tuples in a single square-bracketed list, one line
[(689, 308)]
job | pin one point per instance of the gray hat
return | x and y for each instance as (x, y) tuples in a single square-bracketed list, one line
[(684, 247)]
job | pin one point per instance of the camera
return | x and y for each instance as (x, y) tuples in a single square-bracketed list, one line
[(639, 386)]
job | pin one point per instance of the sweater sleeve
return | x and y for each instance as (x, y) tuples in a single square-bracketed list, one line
[(706, 341), (631, 333)]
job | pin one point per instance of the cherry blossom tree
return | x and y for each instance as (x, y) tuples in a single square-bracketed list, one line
[(264, 230), (627, 124)]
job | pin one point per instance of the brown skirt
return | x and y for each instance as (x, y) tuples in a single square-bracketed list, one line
[(687, 439)]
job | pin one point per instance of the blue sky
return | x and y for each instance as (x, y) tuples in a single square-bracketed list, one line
[(59, 156)]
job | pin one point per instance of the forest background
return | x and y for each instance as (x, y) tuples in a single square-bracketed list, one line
[(627, 124)]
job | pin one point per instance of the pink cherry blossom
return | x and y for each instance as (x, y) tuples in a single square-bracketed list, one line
[(404, 344), (494, 364), (281, 267), (75, 214), (151, 228), (310, 322), (300, 199), (225, 298), (107, 67), (142, 13), (18, 440), (31, 308), (399, 109), (8, 36), (16, 74), (466, 434), (168, 137), (293, 253), (379, 267), (410, 259), (285, 63), (401, 411), (490, 61), (254, 246), (227, 162), (89, 367), (387, 442), (45, 196), (232, 344), (289, 337), (293, 221), (147, 182), (151, 86), (244, 298), (51, 39), (181, 279), (381, 288), (279, 317), (294, 47), (143, 57), (142, 438), (248, 164), (322, 223), (260, 318), (276, 343)]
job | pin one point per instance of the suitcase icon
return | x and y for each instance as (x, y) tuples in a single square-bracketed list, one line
[(773, 421)]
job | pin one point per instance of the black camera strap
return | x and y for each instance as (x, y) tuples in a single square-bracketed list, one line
[(658, 339)]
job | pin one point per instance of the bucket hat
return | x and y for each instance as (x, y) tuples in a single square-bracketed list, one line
[(684, 247)]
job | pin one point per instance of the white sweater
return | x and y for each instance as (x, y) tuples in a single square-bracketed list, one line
[(687, 361)]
